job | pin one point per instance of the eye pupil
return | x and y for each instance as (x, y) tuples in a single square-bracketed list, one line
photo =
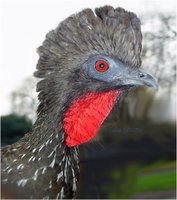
[(101, 66)]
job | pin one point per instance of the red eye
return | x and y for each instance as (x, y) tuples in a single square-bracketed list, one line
[(101, 65)]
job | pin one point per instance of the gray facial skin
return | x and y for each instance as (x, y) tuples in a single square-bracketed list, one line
[(118, 73)]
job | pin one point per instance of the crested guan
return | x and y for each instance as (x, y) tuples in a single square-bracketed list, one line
[(85, 65)]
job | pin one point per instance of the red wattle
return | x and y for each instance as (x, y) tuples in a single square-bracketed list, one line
[(85, 115)]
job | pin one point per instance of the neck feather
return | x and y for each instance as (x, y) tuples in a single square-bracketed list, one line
[(42, 156)]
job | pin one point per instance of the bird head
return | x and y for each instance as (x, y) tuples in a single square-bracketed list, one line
[(85, 65)]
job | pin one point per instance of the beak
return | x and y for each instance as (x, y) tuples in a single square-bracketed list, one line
[(139, 78), (128, 76)]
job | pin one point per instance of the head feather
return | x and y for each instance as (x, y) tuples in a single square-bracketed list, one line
[(114, 32)]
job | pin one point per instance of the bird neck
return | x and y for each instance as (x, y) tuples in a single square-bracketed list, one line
[(47, 130), (42, 156), (47, 139)]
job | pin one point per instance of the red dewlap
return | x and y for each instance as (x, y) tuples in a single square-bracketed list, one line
[(85, 115)]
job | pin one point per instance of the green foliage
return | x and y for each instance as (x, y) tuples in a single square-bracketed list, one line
[(123, 180), (155, 182), (159, 165), (139, 178), (13, 127), (130, 177)]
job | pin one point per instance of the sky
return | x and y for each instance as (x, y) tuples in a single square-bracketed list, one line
[(24, 24)]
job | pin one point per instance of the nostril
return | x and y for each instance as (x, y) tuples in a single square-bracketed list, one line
[(142, 75)]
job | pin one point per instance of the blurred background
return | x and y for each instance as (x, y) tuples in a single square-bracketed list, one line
[(134, 153)]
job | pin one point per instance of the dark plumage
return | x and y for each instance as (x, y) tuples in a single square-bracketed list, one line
[(41, 165)]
